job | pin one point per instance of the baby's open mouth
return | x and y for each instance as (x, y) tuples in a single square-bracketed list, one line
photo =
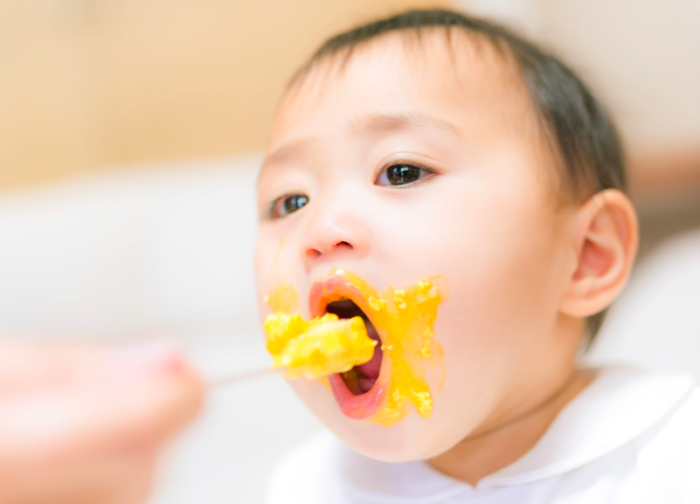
[(360, 379)]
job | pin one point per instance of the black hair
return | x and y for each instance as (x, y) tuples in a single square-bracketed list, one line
[(581, 131)]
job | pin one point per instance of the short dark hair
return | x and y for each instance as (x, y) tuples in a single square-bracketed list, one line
[(578, 126)]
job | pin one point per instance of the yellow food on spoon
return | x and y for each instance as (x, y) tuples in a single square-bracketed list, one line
[(319, 347)]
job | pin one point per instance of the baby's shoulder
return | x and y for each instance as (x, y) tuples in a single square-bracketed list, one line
[(305, 475)]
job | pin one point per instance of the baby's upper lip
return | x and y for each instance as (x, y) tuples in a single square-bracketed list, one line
[(334, 288)]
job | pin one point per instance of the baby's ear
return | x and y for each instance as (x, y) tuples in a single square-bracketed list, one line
[(605, 241)]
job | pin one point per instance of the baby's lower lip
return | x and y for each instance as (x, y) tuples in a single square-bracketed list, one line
[(357, 407)]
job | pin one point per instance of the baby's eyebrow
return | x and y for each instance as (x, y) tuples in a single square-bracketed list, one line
[(373, 123), (289, 150), (389, 123)]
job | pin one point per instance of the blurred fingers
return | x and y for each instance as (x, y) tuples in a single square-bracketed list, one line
[(89, 405)]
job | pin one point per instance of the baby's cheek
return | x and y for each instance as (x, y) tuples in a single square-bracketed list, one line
[(471, 357), (269, 258), (263, 270), (318, 398)]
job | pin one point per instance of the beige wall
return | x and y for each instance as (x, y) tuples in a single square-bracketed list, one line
[(92, 83)]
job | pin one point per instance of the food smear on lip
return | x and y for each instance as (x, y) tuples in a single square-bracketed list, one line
[(283, 298), (404, 320), (319, 347)]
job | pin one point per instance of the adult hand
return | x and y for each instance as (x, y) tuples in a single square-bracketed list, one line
[(83, 425)]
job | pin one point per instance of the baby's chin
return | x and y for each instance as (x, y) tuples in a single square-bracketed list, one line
[(412, 438)]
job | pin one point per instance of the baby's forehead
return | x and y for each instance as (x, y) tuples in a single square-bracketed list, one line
[(466, 72)]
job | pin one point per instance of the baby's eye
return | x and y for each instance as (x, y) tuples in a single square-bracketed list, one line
[(284, 205), (401, 174)]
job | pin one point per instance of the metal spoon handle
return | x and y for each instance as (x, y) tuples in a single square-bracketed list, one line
[(242, 377)]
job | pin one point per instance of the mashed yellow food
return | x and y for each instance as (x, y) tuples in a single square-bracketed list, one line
[(319, 347)]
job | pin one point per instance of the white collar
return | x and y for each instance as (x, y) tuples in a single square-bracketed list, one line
[(620, 405)]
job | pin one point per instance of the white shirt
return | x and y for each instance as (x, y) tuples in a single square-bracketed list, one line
[(630, 437)]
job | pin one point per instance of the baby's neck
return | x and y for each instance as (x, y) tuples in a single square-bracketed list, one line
[(499, 445)]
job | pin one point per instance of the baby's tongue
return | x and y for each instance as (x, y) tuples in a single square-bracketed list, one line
[(371, 368)]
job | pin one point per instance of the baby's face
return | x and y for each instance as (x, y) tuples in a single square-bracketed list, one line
[(413, 162)]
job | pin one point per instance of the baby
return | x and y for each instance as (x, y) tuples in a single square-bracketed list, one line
[(463, 192)]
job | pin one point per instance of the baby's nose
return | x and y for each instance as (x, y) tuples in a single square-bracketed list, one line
[(333, 235), (313, 253)]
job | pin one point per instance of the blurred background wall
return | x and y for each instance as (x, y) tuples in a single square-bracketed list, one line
[(91, 83)]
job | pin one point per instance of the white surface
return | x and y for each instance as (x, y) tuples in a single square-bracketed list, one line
[(656, 321), (128, 252)]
